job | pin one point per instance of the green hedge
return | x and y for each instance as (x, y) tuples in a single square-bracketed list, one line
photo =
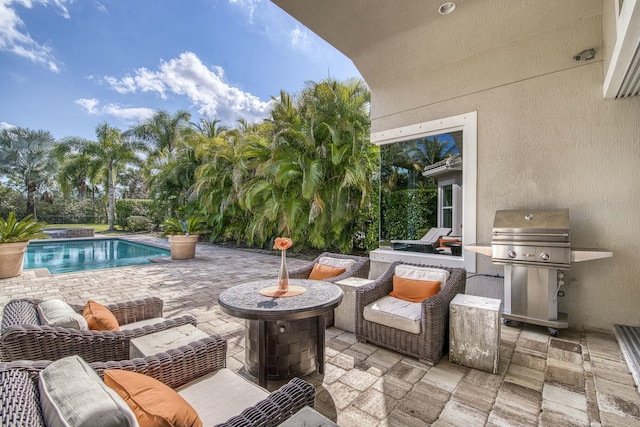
[(126, 208), (408, 214)]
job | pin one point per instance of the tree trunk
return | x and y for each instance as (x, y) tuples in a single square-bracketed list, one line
[(111, 204), (31, 199)]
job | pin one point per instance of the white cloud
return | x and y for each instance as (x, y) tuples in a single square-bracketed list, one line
[(15, 39), (205, 87), (5, 125), (248, 5), (91, 106)]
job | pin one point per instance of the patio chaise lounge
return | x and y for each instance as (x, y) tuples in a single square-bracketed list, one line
[(197, 372), (426, 243), (24, 337), (417, 329)]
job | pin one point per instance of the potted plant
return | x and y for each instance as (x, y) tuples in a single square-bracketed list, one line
[(183, 235), (14, 238)]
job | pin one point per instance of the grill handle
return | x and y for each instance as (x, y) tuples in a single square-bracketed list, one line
[(515, 234)]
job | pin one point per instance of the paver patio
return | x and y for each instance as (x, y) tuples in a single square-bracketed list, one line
[(577, 379)]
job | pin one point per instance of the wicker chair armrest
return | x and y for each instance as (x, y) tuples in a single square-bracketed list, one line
[(179, 366), (19, 312), (437, 307), (277, 407), (175, 367), (132, 311), (377, 289), (51, 342)]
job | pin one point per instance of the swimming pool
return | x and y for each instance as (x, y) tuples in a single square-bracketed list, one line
[(65, 256)]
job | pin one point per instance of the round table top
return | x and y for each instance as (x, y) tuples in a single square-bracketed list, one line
[(246, 302)]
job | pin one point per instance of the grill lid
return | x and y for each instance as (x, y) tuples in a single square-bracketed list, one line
[(538, 226)]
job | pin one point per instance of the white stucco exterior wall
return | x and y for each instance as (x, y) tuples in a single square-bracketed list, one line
[(546, 139)]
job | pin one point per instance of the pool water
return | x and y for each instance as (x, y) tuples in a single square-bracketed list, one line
[(65, 256)]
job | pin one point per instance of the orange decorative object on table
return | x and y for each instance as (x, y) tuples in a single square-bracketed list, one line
[(282, 244)]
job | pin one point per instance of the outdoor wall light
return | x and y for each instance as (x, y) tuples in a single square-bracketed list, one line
[(585, 55), (447, 8)]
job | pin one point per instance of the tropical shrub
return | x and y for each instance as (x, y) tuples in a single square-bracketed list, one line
[(13, 230), (139, 223), (192, 225)]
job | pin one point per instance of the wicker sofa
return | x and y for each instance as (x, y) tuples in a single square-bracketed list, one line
[(429, 344), (180, 369), (22, 336)]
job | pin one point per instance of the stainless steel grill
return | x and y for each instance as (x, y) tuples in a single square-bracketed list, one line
[(536, 238), (534, 247)]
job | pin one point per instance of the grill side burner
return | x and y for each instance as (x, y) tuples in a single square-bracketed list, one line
[(534, 248)]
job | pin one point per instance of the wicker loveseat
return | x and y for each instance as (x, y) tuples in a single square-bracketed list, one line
[(24, 338), (180, 369), (427, 344)]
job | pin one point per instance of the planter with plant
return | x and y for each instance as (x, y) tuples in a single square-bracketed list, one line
[(14, 238), (183, 235)]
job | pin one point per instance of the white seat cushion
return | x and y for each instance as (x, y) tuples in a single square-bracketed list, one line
[(142, 323), (337, 262), (221, 395), (395, 313), (73, 395), (422, 273)]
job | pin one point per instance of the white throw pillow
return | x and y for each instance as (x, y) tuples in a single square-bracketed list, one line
[(55, 312), (73, 395), (422, 273), (337, 262)]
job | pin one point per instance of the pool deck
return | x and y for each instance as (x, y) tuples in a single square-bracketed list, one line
[(577, 379)]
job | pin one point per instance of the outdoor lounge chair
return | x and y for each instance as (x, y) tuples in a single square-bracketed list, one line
[(426, 244), (415, 329), (23, 337), (196, 371), (356, 266)]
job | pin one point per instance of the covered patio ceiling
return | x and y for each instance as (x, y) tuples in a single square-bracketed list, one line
[(388, 40)]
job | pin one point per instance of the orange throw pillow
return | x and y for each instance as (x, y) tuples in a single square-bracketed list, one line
[(153, 403), (99, 317), (414, 290), (321, 272)]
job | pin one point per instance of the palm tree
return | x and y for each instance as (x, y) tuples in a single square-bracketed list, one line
[(319, 173), (209, 128), (25, 155), (105, 158), (163, 131)]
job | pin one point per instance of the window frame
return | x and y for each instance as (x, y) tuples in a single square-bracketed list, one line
[(468, 124)]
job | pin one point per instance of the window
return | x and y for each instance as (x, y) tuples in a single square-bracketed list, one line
[(420, 190)]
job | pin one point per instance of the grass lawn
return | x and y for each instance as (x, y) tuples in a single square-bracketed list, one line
[(98, 228)]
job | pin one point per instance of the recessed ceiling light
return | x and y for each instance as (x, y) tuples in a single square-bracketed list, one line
[(447, 8)]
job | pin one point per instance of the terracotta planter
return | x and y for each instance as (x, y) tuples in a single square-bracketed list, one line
[(11, 257), (182, 246)]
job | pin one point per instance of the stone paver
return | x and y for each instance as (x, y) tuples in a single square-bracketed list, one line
[(578, 378)]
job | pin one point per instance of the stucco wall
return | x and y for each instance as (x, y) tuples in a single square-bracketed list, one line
[(546, 139)]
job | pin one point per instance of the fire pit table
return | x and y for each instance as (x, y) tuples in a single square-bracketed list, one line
[(285, 336)]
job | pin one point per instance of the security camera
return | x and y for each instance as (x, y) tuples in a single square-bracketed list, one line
[(585, 55)]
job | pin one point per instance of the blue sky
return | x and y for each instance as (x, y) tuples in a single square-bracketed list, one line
[(66, 66)]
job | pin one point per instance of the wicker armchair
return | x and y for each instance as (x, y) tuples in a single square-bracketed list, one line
[(20, 398), (24, 338), (359, 269), (428, 345)]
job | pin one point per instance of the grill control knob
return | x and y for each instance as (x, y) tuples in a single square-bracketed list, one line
[(511, 254), (545, 256)]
